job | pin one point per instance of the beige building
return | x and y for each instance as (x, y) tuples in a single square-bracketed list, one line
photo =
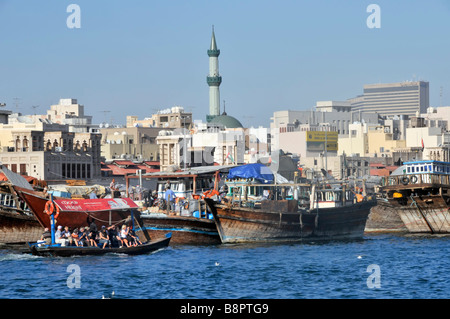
[(49, 151), (66, 112), (208, 144), (369, 140), (174, 117), (381, 142), (130, 143), (356, 141)]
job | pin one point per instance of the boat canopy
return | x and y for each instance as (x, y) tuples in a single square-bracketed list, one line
[(257, 171), (95, 205)]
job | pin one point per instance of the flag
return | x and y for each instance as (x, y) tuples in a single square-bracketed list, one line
[(422, 145), (230, 157)]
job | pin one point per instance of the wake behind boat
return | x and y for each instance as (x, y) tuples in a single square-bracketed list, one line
[(56, 250)]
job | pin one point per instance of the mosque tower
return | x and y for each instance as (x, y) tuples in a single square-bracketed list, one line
[(213, 79)]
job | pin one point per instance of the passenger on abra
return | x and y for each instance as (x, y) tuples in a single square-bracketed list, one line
[(104, 237), (133, 238), (124, 235), (92, 233), (113, 233), (67, 236), (46, 237), (58, 235), (83, 240), (92, 236), (76, 236)]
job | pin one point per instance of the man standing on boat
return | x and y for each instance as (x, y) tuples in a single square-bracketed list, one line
[(169, 196)]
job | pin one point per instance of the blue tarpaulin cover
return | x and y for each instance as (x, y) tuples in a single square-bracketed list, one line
[(257, 171)]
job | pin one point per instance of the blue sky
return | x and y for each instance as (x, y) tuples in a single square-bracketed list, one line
[(134, 57)]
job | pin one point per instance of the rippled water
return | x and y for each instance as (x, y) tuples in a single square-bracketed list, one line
[(409, 267)]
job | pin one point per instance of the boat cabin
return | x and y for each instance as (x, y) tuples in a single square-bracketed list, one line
[(418, 173), (427, 167)]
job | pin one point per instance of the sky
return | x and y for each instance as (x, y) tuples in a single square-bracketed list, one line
[(136, 57)]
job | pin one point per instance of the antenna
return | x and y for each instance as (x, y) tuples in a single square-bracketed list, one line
[(16, 103), (105, 113), (441, 95), (34, 108)]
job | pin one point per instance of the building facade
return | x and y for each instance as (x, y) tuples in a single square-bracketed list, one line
[(49, 151), (390, 99)]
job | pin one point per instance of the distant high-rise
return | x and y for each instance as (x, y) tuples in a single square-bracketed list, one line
[(389, 99), (213, 79)]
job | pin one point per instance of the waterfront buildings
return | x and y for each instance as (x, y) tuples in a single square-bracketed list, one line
[(49, 151)]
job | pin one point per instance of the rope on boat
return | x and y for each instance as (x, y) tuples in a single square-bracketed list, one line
[(128, 218)]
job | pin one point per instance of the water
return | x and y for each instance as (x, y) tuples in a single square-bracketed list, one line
[(409, 267)]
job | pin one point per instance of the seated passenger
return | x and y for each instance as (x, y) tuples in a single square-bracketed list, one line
[(133, 238), (76, 237), (46, 237), (103, 237), (67, 236), (92, 236), (83, 239), (124, 235)]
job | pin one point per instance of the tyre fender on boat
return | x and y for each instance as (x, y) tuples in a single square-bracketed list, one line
[(405, 180), (414, 179)]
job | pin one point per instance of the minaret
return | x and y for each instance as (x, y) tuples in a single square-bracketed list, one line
[(213, 79)]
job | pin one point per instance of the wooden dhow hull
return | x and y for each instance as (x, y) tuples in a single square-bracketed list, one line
[(240, 224), (422, 214), (186, 230), (18, 228)]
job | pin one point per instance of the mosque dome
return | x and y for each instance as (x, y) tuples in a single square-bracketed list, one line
[(226, 121)]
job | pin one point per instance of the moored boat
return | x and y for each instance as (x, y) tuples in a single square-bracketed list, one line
[(17, 223), (288, 212), (186, 230), (74, 212), (56, 250), (188, 220), (420, 195)]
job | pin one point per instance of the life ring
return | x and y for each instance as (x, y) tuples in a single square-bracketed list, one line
[(405, 180), (414, 179), (50, 208)]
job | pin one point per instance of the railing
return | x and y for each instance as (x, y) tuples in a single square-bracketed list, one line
[(416, 179)]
